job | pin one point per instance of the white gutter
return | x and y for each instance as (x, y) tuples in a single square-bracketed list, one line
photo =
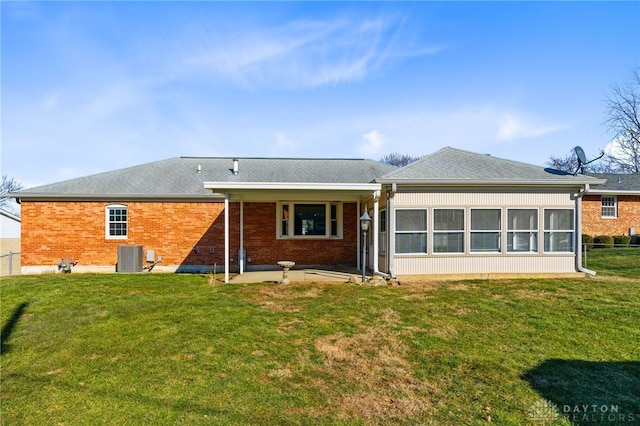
[(578, 238), (314, 186), (492, 182)]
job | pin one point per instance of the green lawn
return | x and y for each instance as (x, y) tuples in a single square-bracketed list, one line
[(175, 349)]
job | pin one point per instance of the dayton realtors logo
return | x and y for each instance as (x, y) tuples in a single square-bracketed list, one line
[(598, 413), (545, 412)]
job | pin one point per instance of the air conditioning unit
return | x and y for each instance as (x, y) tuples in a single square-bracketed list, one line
[(130, 259)]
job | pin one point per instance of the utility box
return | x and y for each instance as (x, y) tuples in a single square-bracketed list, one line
[(130, 259)]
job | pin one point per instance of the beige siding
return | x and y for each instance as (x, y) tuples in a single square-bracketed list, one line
[(478, 197), (514, 264)]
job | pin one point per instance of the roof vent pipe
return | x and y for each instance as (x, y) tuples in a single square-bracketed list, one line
[(235, 166), (199, 169)]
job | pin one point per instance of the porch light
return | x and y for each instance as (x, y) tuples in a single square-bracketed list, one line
[(365, 221)]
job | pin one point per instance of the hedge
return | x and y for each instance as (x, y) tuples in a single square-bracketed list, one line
[(587, 240), (621, 240), (603, 241)]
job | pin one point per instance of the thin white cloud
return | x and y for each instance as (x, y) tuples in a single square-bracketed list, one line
[(372, 143), (305, 53), (283, 145), (512, 127)]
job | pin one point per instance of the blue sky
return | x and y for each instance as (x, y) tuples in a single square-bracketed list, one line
[(96, 86)]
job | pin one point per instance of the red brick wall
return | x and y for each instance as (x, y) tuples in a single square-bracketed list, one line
[(53, 230), (628, 216)]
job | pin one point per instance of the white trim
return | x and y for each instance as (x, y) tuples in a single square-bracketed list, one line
[(226, 238), (107, 222), (230, 186), (615, 207), (291, 221)]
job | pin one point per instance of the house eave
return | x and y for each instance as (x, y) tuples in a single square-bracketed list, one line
[(613, 192), (491, 182), (222, 187), (114, 197)]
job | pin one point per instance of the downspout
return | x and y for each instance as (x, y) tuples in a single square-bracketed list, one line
[(391, 230), (578, 238), (376, 230), (226, 237)]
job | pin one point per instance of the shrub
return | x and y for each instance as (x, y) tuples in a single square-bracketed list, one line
[(603, 241), (621, 240), (587, 240)]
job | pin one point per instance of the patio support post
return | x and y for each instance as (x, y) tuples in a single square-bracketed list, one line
[(358, 240), (226, 237), (241, 257)]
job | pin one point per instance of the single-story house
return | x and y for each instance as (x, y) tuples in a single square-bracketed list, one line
[(613, 208), (453, 212), (9, 243)]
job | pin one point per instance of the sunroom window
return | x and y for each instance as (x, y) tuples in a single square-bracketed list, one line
[(558, 230), (448, 231), (485, 230), (522, 230), (411, 231)]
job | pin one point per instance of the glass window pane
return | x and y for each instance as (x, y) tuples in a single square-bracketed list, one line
[(448, 242), (485, 242), (558, 241), (485, 219), (309, 219), (522, 241), (448, 219), (522, 219), (411, 220), (411, 243), (561, 219)]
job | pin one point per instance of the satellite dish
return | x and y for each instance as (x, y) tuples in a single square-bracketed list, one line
[(580, 153), (582, 159)]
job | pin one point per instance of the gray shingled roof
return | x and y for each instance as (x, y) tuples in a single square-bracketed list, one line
[(618, 182), (450, 165), (178, 177)]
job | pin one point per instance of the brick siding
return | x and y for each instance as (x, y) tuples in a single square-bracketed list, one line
[(628, 216), (53, 230)]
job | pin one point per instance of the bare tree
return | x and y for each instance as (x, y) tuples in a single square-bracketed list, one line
[(400, 160), (8, 185), (623, 119)]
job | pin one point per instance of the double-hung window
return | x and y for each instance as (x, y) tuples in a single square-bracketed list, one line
[(486, 230), (411, 231), (382, 237), (448, 231), (310, 220), (609, 207), (522, 230), (116, 222), (558, 230)]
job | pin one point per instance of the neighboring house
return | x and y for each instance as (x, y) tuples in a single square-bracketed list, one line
[(453, 212), (613, 208), (9, 243)]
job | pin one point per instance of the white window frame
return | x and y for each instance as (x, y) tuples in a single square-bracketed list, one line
[(612, 203), (425, 232), (498, 231), (382, 235), (108, 222), (289, 232), (548, 231), (533, 231), (436, 232)]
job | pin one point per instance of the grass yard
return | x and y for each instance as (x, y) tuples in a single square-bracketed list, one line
[(175, 349)]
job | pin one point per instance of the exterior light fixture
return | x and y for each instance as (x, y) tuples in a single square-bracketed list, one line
[(365, 221)]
